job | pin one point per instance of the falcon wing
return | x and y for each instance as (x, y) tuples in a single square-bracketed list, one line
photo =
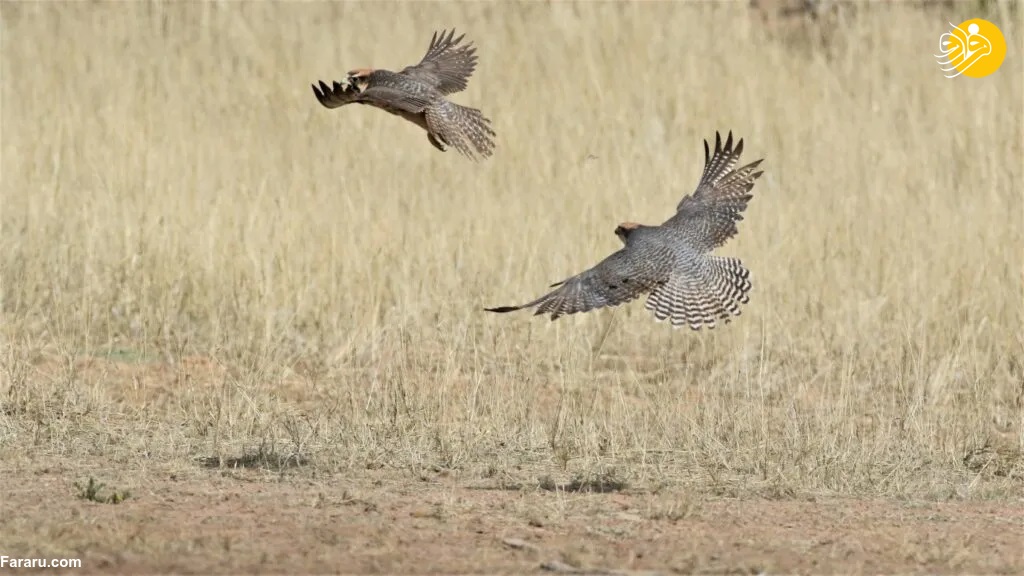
[(380, 96), (710, 214), (616, 280), (388, 97), (446, 65), (338, 96)]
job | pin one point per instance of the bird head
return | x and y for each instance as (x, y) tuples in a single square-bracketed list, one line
[(359, 78), (625, 229)]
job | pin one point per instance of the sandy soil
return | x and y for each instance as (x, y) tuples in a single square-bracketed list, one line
[(226, 517), (237, 521)]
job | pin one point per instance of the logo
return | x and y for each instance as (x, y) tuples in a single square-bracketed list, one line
[(975, 48)]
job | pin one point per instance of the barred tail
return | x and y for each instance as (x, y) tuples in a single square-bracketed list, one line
[(714, 293), (463, 128)]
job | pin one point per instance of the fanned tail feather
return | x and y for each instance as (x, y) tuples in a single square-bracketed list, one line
[(704, 299)]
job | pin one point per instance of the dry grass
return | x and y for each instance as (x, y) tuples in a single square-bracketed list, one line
[(202, 266)]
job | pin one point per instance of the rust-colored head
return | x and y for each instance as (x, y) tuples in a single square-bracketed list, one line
[(360, 77), (625, 229)]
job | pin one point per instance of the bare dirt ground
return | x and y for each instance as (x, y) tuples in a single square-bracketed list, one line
[(235, 521), (264, 514), (260, 514)]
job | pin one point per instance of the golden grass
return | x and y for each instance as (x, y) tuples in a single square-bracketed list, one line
[(280, 280)]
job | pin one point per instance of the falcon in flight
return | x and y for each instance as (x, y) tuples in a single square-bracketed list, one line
[(672, 263), (418, 94)]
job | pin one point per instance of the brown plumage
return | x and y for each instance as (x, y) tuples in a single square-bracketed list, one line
[(418, 94), (672, 263)]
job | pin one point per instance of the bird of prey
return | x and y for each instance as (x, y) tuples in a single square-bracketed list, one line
[(418, 94), (672, 263)]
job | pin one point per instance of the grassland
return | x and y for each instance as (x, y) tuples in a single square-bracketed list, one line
[(227, 300)]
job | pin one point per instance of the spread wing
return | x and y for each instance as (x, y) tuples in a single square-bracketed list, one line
[(380, 96), (709, 215), (617, 279), (446, 65), (338, 96)]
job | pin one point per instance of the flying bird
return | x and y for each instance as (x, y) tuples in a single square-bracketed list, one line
[(419, 94), (672, 263)]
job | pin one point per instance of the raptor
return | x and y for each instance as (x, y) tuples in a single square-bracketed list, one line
[(419, 93), (672, 263)]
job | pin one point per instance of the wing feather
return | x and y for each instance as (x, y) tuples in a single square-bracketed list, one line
[(386, 96), (617, 279), (446, 66), (710, 214), (338, 96), (380, 96)]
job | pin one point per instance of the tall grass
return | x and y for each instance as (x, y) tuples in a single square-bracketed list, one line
[(173, 194)]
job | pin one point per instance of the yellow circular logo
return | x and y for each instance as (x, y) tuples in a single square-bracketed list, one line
[(975, 48)]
